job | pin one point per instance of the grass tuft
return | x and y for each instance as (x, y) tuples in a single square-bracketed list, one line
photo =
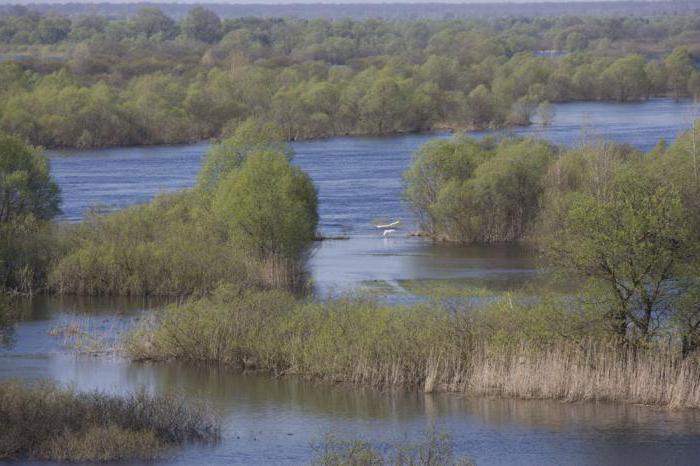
[(435, 449)]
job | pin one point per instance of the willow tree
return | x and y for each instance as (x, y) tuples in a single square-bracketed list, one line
[(26, 186), (269, 206), (631, 242), (29, 198)]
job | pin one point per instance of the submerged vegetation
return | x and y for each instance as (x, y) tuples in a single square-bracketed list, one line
[(29, 199), (250, 221), (91, 81), (435, 449), (621, 223), (553, 348), (44, 421)]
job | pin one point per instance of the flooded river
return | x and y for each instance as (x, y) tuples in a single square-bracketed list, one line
[(277, 421)]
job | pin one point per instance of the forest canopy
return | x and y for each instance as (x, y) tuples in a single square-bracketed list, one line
[(92, 81)]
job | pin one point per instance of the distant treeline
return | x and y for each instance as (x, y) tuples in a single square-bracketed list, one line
[(90, 81), (386, 10)]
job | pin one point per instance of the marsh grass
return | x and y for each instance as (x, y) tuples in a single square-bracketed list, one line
[(434, 288), (171, 247), (435, 449), (7, 317), (49, 422), (508, 348), (89, 336)]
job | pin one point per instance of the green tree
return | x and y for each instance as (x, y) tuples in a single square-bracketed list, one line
[(679, 66), (230, 154), (151, 21), (575, 42), (435, 165), (686, 308), (630, 242), (269, 206), (506, 192), (26, 186), (382, 107), (202, 24), (53, 29), (626, 79), (480, 107), (28, 199)]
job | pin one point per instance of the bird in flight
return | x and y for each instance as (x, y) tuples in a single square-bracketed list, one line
[(388, 225)]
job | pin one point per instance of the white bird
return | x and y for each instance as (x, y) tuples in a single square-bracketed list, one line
[(388, 232), (389, 225)]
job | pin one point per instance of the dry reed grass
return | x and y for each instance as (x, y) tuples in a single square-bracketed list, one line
[(593, 370), (49, 422)]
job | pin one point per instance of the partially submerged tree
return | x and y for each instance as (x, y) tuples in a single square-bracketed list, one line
[(28, 199), (268, 205), (26, 187), (251, 136), (631, 241)]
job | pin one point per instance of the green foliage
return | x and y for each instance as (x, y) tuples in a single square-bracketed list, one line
[(248, 223), (28, 246), (151, 22), (29, 198), (202, 24), (149, 79), (515, 346), (229, 155), (7, 318), (26, 187), (477, 192), (347, 340), (269, 206), (233, 326), (632, 240), (679, 166), (435, 449), (625, 79), (625, 222), (170, 247), (679, 67), (436, 165)]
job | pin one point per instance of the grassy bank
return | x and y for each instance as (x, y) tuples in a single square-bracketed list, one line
[(502, 348), (45, 421)]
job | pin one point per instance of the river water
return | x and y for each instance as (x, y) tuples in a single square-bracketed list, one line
[(359, 181)]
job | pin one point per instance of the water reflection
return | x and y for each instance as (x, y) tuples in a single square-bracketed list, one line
[(341, 265), (275, 420)]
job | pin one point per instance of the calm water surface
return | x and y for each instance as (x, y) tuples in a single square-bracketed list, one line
[(275, 421)]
